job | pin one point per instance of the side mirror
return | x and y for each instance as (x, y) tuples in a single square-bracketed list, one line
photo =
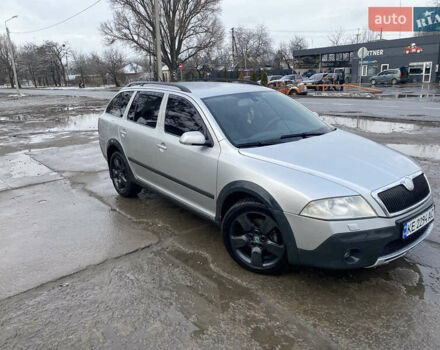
[(193, 138)]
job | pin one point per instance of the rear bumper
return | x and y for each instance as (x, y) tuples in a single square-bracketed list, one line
[(366, 247)]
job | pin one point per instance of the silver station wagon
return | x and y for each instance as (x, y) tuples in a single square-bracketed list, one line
[(285, 187)]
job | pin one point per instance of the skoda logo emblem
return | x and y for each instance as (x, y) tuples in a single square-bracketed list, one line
[(408, 183)]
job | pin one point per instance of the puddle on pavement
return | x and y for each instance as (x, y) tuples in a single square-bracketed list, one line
[(420, 151), (374, 126), (85, 122), (40, 131), (214, 295)]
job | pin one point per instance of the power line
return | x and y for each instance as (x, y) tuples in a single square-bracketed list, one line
[(310, 31), (61, 22)]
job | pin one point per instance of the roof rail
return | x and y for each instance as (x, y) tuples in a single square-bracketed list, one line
[(225, 80), (145, 82)]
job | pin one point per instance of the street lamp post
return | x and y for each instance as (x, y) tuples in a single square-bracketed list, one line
[(12, 56)]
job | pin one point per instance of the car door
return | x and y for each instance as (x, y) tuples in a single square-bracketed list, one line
[(189, 172), (140, 135), (380, 76), (111, 122)]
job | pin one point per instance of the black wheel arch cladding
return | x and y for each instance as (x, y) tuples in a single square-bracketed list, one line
[(260, 194), (113, 143)]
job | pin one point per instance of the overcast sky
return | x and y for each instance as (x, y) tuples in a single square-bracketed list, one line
[(312, 19)]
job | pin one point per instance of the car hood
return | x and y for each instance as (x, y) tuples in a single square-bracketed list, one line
[(342, 157)]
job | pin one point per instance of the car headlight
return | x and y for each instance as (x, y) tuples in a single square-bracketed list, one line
[(339, 208)]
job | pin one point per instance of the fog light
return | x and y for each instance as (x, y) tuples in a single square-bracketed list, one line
[(352, 256)]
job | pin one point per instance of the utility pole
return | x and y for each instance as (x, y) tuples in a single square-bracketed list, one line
[(232, 42), (357, 36), (12, 56), (158, 45)]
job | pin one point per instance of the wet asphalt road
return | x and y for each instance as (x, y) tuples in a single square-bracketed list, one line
[(415, 109), (81, 267)]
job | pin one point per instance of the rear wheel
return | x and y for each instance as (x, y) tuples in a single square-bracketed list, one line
[(253, 238), (121, 176), (394, 81)]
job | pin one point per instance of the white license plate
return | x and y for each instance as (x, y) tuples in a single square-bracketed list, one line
[(417, 223)]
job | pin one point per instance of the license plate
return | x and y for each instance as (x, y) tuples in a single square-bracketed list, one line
[(417, 223)]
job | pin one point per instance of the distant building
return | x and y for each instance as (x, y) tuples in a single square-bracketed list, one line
[(420, 55)]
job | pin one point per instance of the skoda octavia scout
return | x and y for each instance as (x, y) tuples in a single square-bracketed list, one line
[(285, 187)]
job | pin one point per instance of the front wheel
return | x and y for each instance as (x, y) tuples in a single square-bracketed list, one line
[(253, 238), (293, 92), (373, 82), (121, 176)]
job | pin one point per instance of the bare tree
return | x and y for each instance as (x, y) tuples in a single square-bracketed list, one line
[(81, 65), (29, 59), (187, 27), (202, 64), (285, 51), (362, 36), (97, 65), (253, 46), (114, 61), (336, 37), (5, 60), (56, 53)]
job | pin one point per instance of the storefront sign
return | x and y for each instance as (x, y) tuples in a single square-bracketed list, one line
[(375, 53), (413, 48)]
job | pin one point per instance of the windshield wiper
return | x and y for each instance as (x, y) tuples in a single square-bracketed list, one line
[(258, 143), (302, 135)]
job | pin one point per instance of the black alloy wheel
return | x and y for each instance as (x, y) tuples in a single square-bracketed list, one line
[(253, 238), (121, 176)]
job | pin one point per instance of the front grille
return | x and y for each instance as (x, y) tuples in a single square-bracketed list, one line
[(398, 198)]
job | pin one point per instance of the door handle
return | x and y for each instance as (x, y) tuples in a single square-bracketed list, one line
[(123, 132), (162, 146)]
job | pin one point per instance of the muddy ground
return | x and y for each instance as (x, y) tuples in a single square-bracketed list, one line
[(81, 267)]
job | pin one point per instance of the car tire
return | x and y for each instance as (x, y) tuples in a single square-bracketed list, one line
[(253, 238), (373, 82), (394, 81), (122, 177), (293, 92)]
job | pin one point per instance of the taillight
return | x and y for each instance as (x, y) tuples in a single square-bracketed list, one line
[(400, 74)]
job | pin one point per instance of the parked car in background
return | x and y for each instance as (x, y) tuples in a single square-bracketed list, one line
[(270, 78), (309, 73), (390, 76), (333, 79), (288, 87), (293, 77), (314, 80)]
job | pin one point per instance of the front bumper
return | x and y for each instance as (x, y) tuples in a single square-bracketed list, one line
[(364, 246)]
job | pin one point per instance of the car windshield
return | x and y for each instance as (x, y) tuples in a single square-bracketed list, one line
[(317, 76), (274, 77), (262, 118)]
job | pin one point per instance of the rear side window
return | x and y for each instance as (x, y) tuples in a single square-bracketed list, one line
[(119, 103), (181, 116), (145, 107)]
